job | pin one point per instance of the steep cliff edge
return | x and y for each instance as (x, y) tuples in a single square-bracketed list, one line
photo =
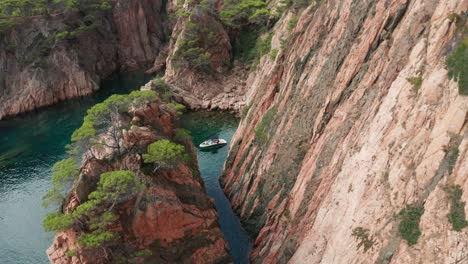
[(160, 214), (354, 136), (66, 52)]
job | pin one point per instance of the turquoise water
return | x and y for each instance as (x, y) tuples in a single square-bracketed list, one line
[(201, 126), (30, 144)]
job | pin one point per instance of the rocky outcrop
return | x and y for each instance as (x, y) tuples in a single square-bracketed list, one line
[(46, 59), (354, 120), (171, 220), (219, 86)]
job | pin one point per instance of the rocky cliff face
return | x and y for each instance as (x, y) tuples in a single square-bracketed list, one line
[(214, 86), (46, 59), (171, 220), (354, 120)]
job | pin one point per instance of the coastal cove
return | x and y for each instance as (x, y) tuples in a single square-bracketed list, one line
[(31, 143)]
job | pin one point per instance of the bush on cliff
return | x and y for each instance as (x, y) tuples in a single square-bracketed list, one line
[(457, 64), (261, 129), (165, 154), (190, 51), (179, 108), (409, 224), (457, 215), (105, 115), (95, 215), (64, 173), (237, 14)]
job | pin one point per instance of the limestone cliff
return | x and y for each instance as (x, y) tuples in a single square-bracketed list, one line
[(352, 121), (170, 220), (49, 58)]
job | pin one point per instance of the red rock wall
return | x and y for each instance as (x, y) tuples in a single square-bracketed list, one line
[(172, 217), (349, 141), (38, 71)]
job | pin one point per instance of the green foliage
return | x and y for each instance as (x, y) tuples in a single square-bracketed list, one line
[(71, 252), (64, 173), (165, 154), (238, 14), (159, 84), (363, 238), (416, 82), (138, 98), (261, 131), (457, 64), (409, 225), (96, 239), (292, 22), (190, 51), (273, 54), (182, 135), (6, 24), (245, 110), (179, 108), (452, 158), (249, 47), (115, 186), (99, 117), (57, 221), (142, 253), (457, 215), (20, 8)]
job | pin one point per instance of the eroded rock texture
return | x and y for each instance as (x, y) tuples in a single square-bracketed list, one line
[(171, 219), (38, 68), (337, 137)]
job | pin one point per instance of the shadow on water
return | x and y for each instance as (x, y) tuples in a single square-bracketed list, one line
[(201, 126), (29, 145)]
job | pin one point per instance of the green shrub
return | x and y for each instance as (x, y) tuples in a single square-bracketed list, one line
[(143, 253), (179, 108), (182, 135), (261, 130), (457, 215), (416, 82), (239, 14), (64, 173), (409, 224), (273, 54), (71, 252), (165, 154), (457, 64), (292, 22), (452, 159), (245, 110), (362, 236), (190, 51)]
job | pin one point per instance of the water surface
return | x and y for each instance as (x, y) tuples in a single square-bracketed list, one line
[(201, 126), (29, 145)]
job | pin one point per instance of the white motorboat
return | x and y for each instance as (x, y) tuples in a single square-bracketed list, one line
[(213, 142)]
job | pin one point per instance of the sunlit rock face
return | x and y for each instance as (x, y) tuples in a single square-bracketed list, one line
[(338, 136)]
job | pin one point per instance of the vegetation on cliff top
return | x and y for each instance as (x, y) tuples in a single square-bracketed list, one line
[(95, 215), (165, 154)]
